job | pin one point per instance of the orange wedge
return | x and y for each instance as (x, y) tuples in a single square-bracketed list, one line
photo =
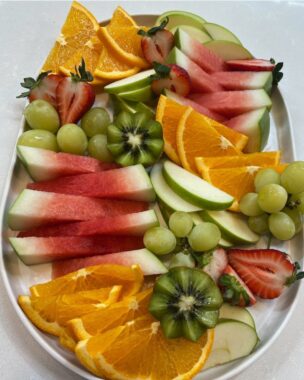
[(168, 113), (250, 159), (196, 138), (139, 350), (50, 314), (79, 27), (236, 138), (94, 277), (117, 314)]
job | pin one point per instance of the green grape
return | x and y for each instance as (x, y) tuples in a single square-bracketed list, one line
[(272, 198), (249, 205), (297, 201), (39, 138), (296, 217), (180, 223), (292, 178), (182, 259), (281, 226), (259, 224), (266, 177), (159, 240), (40, 114), (72, 139), (95, 122), (97, 148), (204, 237)]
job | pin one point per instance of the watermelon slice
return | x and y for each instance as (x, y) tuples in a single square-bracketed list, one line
[(200, 80), (199, 54), (128, 224), (43, 164), (187, 102), (35, 208), (39, 250), (250, 64), (131, 182), (149, 263), (232, 103), (255, 125), (244, 80)]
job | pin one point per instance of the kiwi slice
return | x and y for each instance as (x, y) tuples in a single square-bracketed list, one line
[(135, 138), (186, 301)]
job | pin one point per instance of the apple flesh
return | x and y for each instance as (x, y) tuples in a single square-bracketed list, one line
[(218, 32), (196, 33), (228, 50), (177, 18), (131, 83)]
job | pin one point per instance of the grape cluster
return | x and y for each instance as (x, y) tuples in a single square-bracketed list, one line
[(182, 239), (46, 132), (278, 203)]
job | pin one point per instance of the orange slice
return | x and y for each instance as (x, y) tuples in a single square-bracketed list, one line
[(236, 138), (117, 314), (79, 27), (196, 138), (250, 159), (168, 113), (121, 18), (94, 277), (50, 314), (139, 350)]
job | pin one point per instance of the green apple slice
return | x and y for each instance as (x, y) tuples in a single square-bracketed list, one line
[(194, 189), (143, 94), (167, 196), (218, 32), (232, 340), (177, 18), (131, 83), (129, 106), (233, 226), (228, 50), (196, 33), (236, 313)]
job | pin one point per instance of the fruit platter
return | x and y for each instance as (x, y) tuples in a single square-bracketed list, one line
[(152, 221)]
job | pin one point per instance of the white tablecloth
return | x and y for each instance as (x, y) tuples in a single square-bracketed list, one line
[(27, 32)]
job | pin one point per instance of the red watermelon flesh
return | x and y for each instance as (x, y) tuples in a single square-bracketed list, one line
[(38, 250), (244, 80), (250, 65), (43, 164), (128, 224), (35, 208), (232, 103), (131, 182), (149, 263)]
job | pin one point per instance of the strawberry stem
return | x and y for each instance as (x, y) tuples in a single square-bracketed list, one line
[(30, 83), (81, 75), (276, 72), (151, 32)]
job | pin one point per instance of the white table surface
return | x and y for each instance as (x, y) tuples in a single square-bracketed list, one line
[(27, 31)]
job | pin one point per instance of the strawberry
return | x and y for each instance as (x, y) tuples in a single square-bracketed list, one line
[(234, 290), (171, 77), (218, 262), (157, 42), (44, 87), (266, 272), (75, 96)]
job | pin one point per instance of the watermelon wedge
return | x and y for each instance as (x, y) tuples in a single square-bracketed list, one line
[(38, 250), (250, 64), (199, 54), (149, 263), (128, 224), (131, 182), (232, 103), (244, 80), (43, 164), (35, 208), (255, 125), (188, 102), (200, 80)]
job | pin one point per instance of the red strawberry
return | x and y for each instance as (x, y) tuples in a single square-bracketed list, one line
[(265, 271), (171, 77), (157, 42), (217, 264), (75, 96), (44, 87), (251, 64), (234, 290)]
